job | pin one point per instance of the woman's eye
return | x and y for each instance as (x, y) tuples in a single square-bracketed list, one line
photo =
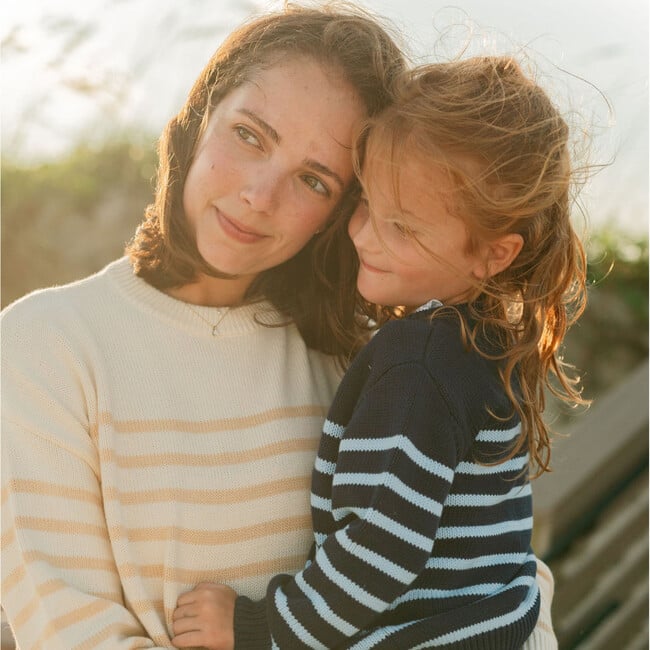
[(247, 136), (317, 185)]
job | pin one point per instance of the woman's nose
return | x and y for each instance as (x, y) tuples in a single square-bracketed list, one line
[(261, 190)]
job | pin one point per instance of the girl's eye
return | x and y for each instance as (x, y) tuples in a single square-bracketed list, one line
[(247, 135), (316, 184), (401, 228)]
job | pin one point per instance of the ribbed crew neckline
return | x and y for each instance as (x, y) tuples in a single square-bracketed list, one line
[(239, 320)]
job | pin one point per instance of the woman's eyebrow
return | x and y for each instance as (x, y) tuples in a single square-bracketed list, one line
[(265, 126), (275, 136)]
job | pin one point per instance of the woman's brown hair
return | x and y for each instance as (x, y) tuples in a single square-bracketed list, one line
[(506, 149), (316, 288)]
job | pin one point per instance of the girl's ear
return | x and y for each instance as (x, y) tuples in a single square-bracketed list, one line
[(500, 254)]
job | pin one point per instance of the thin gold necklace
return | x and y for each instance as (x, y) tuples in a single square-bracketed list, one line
[(214, 326)]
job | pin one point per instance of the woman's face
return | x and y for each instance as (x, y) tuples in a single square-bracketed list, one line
[(272, 164)]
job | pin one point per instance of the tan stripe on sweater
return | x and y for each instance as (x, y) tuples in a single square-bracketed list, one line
[(211, 426), (26, 486), (210, 497), (8, 537), (74, 562), (223, 574), (64, 526), (13, 579), (113, 630), (213, 537), (47, 588), (211, 460), (78, 615)]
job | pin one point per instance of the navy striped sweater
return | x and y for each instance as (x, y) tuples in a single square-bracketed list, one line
[(420, 539)]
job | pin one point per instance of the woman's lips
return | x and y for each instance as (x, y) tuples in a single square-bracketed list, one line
[(237, 231)]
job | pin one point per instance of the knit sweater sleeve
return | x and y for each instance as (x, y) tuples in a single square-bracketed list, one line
[(394, 467), (60, 585)]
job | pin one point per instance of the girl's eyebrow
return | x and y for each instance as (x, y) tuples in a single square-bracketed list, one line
[(319, 167), (275, 136)]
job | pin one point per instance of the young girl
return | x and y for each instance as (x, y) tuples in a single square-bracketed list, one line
[(421, 500)]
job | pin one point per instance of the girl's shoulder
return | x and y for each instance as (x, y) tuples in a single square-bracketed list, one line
[(421, 335)]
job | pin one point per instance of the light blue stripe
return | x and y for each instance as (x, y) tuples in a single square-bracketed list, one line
[(355, 591), (464, 564), (404, 444), (320, 538), (374, 559), (333, 429), (478, 470), (429, 305), (493, 623), (320, 503), (495, 435), (323, 609), (400, 531), (381, 634), (393, 483), (282, 606), (485, 500), (435, 594), (324, 467), (490, 530), (343, 512)]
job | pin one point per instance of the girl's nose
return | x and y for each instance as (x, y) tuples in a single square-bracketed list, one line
[(360, 226)]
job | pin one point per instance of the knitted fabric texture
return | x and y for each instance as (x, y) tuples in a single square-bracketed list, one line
[(142, 455), (421, 540)]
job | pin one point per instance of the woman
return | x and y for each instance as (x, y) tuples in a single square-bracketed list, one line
[(160, 418)]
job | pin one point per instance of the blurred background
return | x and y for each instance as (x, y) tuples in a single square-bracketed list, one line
[(87, 88)]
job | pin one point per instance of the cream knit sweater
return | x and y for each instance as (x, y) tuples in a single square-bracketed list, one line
[(142, 455)]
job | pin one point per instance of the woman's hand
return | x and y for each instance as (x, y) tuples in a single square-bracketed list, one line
[(204, 617)]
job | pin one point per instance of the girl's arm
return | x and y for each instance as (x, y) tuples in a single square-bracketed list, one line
[(393, 472)]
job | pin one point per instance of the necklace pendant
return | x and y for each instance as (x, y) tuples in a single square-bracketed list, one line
[(215, 329)]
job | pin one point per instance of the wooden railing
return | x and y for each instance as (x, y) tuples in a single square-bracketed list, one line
[(591, 523)]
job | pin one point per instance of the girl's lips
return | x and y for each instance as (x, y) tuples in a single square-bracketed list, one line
[(369, 267), (236, 231)]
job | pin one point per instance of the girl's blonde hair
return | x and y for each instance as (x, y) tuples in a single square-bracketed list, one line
[(316, 288), (505, 147)]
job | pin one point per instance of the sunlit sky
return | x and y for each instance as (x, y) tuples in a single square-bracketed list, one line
[(74, 71)]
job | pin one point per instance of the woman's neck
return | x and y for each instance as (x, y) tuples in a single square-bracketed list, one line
[(213, 292)]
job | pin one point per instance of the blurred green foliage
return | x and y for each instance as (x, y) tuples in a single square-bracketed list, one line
[(612, 335), (63, 220), (66, 219)]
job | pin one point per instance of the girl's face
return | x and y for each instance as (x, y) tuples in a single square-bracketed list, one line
[(412, 250), (272, 164)]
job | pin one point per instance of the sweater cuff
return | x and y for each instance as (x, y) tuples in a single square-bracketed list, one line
[(251, 627)]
